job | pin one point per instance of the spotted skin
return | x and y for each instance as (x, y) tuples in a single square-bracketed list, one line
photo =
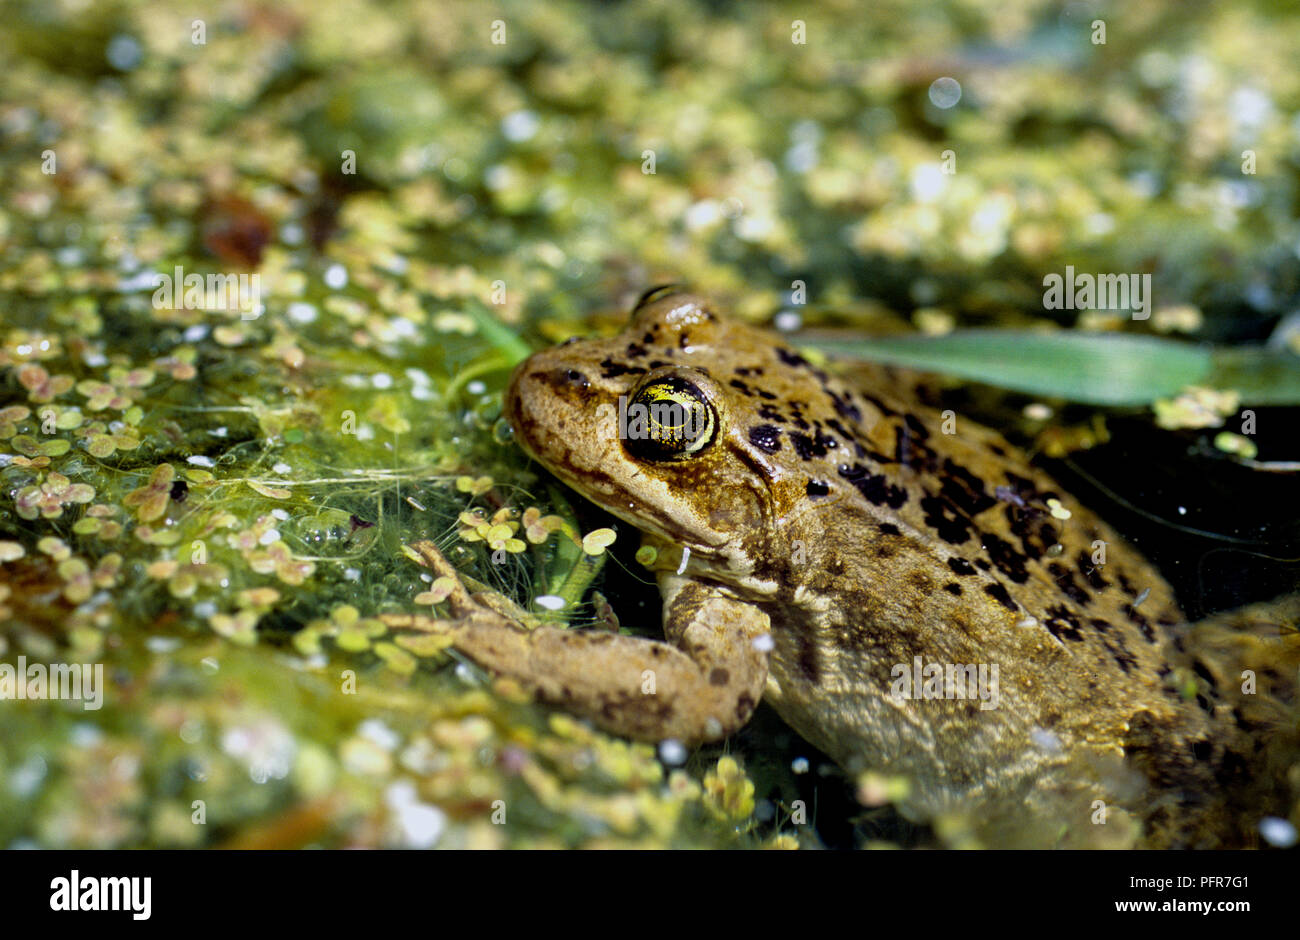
[(864, 530)]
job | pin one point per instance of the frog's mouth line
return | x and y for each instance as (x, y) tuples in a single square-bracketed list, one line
[(614, 499), (597, 488)]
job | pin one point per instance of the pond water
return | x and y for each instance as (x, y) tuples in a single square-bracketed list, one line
[(267, 269)]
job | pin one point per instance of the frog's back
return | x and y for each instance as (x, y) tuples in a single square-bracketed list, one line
[(940, 544)]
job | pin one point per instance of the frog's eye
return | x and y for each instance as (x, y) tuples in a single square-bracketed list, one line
[(668, 418), (654, 293)]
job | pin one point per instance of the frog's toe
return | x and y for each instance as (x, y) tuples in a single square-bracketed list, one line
[(458, 598), (422, 623)]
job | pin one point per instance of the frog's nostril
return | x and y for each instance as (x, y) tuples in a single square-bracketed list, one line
[(574, 377)]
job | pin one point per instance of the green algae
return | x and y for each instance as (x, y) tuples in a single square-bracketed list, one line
[(214, 504)]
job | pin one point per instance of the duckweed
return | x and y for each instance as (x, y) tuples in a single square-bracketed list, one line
[(210, 498)]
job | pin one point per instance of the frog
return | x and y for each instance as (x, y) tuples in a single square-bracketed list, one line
[(823, 540)]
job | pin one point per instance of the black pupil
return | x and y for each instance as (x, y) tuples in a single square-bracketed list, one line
[(666, 420)]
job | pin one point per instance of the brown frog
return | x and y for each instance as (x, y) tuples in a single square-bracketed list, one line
[(908, 592)]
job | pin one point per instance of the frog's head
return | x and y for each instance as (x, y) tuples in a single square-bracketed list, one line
[(651, 426)]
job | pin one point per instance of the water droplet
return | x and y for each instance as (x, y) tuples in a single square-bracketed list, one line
[(1277, 832), (503, 432), (672, 752), (123, 52), (945, 92), (787, 321), (336, 277), (25, 779), (519, 126), (1046, 740)]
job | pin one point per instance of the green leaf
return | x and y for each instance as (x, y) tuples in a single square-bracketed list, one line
[(504, 338), (1095, 368)]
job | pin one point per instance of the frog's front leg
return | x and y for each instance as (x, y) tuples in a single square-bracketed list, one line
[(702, 687)]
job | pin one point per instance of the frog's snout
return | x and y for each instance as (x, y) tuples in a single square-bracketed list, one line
[(542, 397), (512, 405)]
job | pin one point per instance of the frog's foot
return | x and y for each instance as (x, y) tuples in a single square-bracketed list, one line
[(702, 689), (459, 600), (462, 604)]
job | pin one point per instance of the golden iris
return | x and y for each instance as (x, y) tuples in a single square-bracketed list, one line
[(670, 419)]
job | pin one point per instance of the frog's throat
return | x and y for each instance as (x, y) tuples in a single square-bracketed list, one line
[(707, 543)]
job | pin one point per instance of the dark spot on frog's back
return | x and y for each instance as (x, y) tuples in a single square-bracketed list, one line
[(960, 566), (790, 357), (1201, 670), (946, 520), (1006, 557), (1000, 594), (1123, 658), (1143, 624), (1090, 572), (719, 677), (913, 453), (815, 446), (1063, 624), (874, 486), (1069, 587), (965, 490), (880, 405), (614, 369), (915, 425), (765, 437), (845, 407)]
